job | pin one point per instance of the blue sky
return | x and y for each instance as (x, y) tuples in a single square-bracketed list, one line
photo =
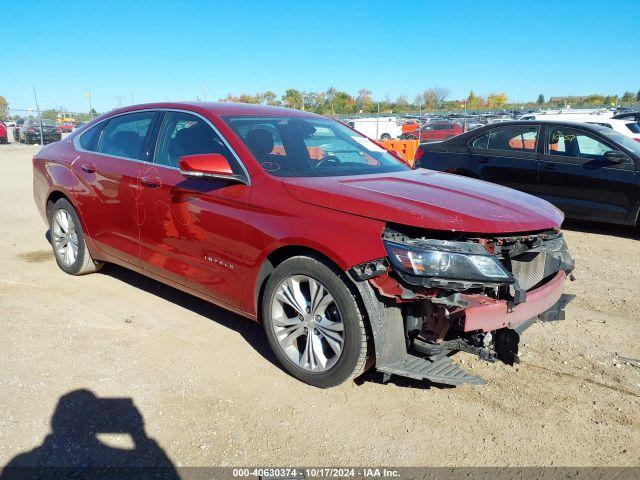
[(158, 50)]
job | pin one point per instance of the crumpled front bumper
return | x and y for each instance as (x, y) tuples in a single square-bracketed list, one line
[(486, 314)]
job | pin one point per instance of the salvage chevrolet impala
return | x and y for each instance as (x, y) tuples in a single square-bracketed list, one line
[(348, 257)]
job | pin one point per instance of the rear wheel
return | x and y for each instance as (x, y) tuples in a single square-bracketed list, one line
[(313, 323), (385, 137), (68, 242)]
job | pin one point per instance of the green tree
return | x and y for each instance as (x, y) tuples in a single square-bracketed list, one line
[(638, 96), (540, 100), (628, 97), (4, 108), (344, 103), (50, 114), (292, 98), (474, 101)]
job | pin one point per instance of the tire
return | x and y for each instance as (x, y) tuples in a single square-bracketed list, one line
[(291, 330), (411, 137), (66, 229), (385, 137)]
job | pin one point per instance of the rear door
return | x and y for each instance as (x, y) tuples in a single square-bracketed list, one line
[(508, 155), (575, 176), (111, 156), (192, 230)]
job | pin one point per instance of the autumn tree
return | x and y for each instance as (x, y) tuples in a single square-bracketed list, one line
[(4, 108), (497, 100), (364, 100)]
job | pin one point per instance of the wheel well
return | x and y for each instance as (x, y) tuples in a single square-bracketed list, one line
[(53, 198), (274, 259)]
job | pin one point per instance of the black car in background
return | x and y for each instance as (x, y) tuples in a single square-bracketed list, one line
[(30, 131), (588, 171), (16, 130), (635, 116)]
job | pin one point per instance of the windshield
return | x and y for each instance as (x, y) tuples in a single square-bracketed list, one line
[(311, 147)]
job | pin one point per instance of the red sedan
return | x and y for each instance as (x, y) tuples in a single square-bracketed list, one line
[(348, 257), (436, 131)]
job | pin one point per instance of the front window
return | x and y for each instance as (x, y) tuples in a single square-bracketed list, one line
[(311, 147), (184, 134), (575, 143)]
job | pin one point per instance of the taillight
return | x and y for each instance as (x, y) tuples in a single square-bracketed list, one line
[(58, 130), (637, 139), (31, 130), (418, 155)]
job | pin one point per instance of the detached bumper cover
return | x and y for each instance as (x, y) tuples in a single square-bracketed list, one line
[(486, 314)]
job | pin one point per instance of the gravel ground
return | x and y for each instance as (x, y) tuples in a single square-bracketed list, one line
[(210, 392)]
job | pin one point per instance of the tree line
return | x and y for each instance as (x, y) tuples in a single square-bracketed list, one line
[(432, 99)]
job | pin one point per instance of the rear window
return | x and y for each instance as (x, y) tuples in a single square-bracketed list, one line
[(634, 127)]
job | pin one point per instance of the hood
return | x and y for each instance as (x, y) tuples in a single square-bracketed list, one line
[(430, 200)]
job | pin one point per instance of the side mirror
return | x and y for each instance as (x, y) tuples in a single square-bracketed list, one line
[(208, 165), (615, 156)]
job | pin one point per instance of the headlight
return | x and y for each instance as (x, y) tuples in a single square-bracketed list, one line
[(446, 261)]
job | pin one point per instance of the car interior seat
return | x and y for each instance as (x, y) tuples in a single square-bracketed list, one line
[(125, 143), (193, 140), (261, 143)]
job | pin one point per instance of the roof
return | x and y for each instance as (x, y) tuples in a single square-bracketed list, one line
[(221, 108)]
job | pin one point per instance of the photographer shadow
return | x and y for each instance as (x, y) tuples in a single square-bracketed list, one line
[(73, 449)]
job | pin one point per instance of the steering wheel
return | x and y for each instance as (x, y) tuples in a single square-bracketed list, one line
[(331, 159)]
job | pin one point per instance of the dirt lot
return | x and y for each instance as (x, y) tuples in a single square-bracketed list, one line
[(211, 394)]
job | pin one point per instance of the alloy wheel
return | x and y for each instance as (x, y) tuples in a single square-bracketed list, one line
[(65, 237), (307, 323)]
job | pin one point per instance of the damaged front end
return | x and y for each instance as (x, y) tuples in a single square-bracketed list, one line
[(436, 294)]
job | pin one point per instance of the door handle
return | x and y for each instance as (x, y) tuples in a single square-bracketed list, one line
[(88, 168), (150, 182)]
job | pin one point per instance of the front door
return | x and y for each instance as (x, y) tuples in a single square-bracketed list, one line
[(507, 155), (575, 176), (192, 230)]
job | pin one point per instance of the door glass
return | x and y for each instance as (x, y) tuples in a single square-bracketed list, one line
[(574, 143), (124, 135), (185, 134), (522, 138)]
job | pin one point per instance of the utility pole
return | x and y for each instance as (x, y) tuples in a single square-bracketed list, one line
[(465, 114), (88, 95), (35, 96), (119, 99), (203, 87), (378, 122), (132, 99)]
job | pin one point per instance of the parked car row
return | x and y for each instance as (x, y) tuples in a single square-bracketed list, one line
[(28, 131)]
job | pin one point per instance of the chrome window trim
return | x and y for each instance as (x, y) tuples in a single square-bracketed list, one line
[(78, 147)]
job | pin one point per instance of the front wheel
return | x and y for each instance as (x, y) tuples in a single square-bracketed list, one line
[(68, 242), (313, 323)]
